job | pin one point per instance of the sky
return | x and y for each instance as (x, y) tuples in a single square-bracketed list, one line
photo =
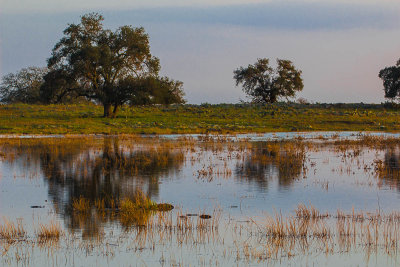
[(340, 46)]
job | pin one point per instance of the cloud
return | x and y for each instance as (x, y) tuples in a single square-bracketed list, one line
[(278, 15), (340, 47)]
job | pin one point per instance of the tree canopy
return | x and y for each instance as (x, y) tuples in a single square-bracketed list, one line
[(108, 67), (154, 90), (22, 86), (265, 84), (391, 81)]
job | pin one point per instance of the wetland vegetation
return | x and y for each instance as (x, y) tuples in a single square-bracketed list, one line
[(203, 200)]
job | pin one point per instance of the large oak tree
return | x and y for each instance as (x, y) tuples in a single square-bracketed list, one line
[(102, 65), (265, 84)]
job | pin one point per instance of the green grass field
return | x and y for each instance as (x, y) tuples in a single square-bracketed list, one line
[(222, 118)]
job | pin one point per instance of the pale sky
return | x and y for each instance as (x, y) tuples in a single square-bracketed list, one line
[(339, 45), (9, 6)]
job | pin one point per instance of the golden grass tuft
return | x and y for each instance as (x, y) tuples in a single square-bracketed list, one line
[(81, 204), (100, 204), (49, 231), (11, 231), (137, 210), (310, 212), (164, 207), (140, 201)]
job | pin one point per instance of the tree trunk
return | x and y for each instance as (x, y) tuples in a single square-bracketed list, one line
[(267, 99), (272, 98), (115, 110), (107, 110)]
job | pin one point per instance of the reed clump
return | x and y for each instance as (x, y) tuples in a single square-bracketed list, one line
[(106, 204), (133, 210), (11, 231), (140, 202), (81, 205), (138, 210), (310, 212), (164, 207), (51, 231)]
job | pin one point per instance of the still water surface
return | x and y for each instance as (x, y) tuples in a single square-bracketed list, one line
[(239, 179)]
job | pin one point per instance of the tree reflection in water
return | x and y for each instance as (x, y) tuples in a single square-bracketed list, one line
[(96, 169), (388, 169), (107, 169), (286, 160)]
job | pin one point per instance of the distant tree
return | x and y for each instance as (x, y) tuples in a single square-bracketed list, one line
[(303, 101), (265, 84), (167, 91), (391, 81), (22, 86), (59, 87), (154, 90), (99, 64)]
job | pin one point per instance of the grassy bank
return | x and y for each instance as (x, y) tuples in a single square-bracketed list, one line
[(86, 119)]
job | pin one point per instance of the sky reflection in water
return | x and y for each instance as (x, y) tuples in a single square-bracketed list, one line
[(244, 179)]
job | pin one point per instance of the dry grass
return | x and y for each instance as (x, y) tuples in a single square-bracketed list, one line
[(310, 212), (140, 202), (130, 211), (281, 237), (311, 231), (81, 205), (11, 231), (49, 231)]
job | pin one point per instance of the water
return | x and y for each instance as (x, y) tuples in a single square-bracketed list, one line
[(242, 178)]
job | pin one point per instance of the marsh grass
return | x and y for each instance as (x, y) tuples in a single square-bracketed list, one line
[(269, 240), (51, 231), (81, 205), (309, 212), (140, 201), (136, 212), (311, 230), (11, 231), (130, 211)]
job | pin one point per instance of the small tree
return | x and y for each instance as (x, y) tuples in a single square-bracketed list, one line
[(22, 86), (161, 91), (391, 81), (99, 64), (265, 84)]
